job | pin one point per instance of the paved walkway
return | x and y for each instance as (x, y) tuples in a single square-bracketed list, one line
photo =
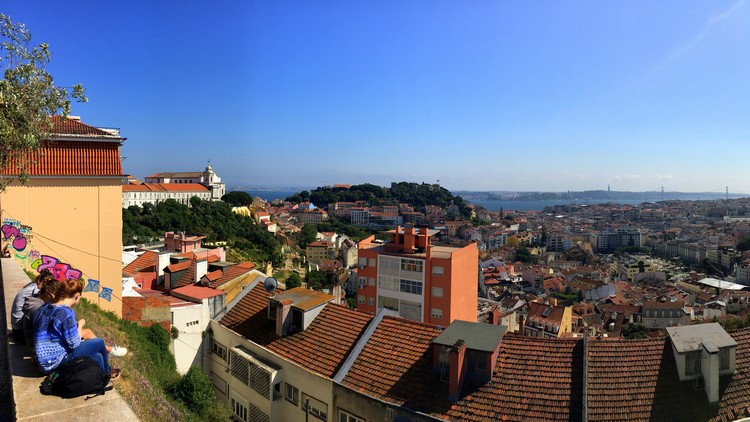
[(30, 404)]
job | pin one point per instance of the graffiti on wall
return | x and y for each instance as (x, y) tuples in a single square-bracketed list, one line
[(60, 270), (18, 236), (93, 286)]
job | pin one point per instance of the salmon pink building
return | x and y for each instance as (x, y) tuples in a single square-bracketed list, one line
[(417, 280)]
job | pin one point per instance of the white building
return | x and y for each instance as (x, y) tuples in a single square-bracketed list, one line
[(181, 187)]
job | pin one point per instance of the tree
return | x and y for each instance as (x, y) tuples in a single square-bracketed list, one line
[(744, 244), (308, 234), (237, 198), (28, 97), (293, 281), (635, 331)]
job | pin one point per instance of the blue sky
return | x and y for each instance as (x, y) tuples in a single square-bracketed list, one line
[(481, 95)]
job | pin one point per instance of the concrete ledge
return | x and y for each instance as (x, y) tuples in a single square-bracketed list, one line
[(30, 403)]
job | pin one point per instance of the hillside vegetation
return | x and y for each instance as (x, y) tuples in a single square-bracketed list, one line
[(149, 383), (213, 219), (414, 194)]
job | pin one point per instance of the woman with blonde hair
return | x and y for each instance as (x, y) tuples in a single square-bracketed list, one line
[(57, 334)]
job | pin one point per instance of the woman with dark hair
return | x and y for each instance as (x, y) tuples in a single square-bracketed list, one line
[(57, 334)]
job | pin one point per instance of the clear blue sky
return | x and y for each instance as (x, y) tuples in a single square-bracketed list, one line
[(481, 95)]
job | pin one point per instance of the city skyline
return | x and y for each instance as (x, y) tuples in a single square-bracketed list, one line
[(486, 97)]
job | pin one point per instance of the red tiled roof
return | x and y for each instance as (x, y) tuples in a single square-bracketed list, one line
[(69, 158), (396, 365), (178, 266), (145, 263), (249, 317), (165, 187), (534, 379), (66, 126), (326, 343), (198, 292), (97, 154)]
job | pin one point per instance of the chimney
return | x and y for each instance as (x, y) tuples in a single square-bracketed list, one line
[(457, 370), (494, 316), (710, 362), (283, 317), (409, 240), (201, 268), (162, 262)]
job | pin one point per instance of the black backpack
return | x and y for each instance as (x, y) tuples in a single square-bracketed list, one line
[(75, 378)]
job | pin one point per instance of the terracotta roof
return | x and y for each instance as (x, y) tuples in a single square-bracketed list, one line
[(198, 292), (396, 366), (67, 126), (165, 187), (147, 261), (180, 266), (326, 343), (69, 158), (536, 313), (638, 380), (249, 317), (534, 379)]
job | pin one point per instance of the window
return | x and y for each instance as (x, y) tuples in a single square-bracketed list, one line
[(345, 416), (388, 303), (437, 270), (292, 394), (362, 282), (361, 300), (436, 313), (414, 265), (388, 283), (437, 292), (272, 305), (239, 412), (409, 286), (692, 363), (372, 262), (724, 357), (371, 301), (219, 350), (362, 262), (315, 407), (371, 281)]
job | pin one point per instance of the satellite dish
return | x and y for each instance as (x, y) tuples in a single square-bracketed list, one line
[(270, 284)]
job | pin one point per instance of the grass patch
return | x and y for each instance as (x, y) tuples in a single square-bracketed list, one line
[(148, 370)]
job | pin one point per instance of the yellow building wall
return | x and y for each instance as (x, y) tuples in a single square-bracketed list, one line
[(72, 226)]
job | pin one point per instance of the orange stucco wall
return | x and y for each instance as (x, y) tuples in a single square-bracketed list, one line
[(464, 270), (71, 225)]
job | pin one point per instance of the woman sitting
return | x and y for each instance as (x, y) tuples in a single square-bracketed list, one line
[(57, 334)]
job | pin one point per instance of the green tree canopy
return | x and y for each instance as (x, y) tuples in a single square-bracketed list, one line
[(744, 244), (213, 219), (237, 198), (28, 96)]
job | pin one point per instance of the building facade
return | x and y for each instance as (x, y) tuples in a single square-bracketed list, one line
[(180, 186), (419, 281), (67, 217)]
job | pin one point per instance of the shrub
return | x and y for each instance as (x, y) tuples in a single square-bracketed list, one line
[(194, 390)]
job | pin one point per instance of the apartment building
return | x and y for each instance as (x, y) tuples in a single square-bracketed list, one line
[(417, 280)]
